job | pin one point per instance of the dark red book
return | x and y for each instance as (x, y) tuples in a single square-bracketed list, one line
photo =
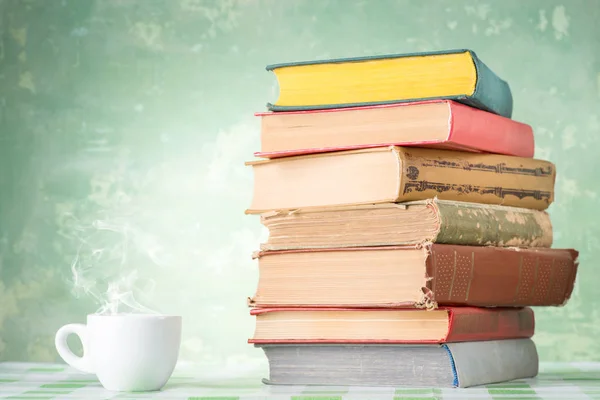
[(389, 325)]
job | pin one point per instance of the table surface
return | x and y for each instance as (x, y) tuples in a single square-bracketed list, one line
[(568, 381)]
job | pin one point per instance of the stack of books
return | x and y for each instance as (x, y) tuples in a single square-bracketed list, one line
[(408, 236)]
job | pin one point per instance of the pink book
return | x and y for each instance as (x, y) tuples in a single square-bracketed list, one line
[(440, 124)]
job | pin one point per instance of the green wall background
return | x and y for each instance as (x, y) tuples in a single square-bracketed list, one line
[(124, 126)]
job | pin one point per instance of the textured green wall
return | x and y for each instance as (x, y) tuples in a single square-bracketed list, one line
[(124, 126)]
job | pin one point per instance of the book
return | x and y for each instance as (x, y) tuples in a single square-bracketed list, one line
[(463, 364), (392, 224), (421, 276), (383, 79), (443, 124), (389, 325), (398, 174)]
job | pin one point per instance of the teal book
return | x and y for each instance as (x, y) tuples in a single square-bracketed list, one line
[(387, 79)]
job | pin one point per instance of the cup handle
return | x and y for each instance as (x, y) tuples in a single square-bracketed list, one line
[(60, 341)]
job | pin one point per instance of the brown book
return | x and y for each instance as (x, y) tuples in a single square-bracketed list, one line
[(398, 174), (433, 220), (416, 276)]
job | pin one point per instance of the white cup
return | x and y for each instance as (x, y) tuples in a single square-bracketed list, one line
[(127, 352)]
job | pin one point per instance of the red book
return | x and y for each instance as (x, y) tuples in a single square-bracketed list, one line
[(440, 124), (388, 325)]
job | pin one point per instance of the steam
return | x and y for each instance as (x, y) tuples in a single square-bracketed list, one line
[(169, 220), (106, 267)]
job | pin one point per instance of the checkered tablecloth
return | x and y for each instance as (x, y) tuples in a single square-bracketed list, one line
[(568, 381)]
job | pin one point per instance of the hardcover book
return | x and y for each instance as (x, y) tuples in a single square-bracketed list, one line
[(416, 276), (463, 364), (389, 325), (399, 174), (442, 124), (348, 82), (391, 224)]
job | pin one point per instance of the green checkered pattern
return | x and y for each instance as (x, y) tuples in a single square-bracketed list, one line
[(567, 381)]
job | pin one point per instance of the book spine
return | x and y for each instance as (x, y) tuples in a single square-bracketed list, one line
[(468, 324), (488, 225), (488, 132), (477, 178), (491, 93), (494, 277)]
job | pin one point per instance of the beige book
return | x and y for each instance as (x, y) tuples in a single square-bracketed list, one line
[(397, 174)]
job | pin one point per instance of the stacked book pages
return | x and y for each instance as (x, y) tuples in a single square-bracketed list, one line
[(408, 233)]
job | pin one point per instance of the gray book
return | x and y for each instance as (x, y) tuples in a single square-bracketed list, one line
[(447, 365)]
